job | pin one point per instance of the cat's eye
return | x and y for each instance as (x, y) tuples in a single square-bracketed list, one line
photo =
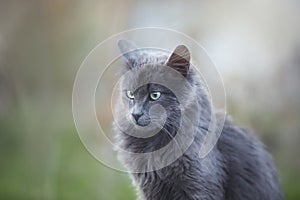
[(129, 94), (154, 95)]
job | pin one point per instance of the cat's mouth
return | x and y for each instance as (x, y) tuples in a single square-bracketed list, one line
[(140, 119), (142, 122)]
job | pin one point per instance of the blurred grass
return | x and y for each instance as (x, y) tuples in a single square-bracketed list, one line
[(56, 168)]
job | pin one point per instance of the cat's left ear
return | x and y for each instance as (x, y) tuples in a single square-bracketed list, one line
[(180, 60), (129, 51)]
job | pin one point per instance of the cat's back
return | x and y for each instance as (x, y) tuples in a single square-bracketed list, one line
[(249, 167)]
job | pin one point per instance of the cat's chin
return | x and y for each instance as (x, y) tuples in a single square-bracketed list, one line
[(142, 124)]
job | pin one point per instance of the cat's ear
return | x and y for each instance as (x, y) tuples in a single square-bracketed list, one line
[(129, 51), (180, 60)]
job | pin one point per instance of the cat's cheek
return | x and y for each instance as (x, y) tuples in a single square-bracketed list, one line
[(128, 117)]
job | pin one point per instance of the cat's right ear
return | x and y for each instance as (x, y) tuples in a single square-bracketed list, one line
[(129, 51), (180, 60)]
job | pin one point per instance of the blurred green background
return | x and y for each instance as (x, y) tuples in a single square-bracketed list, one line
[(255, 44)]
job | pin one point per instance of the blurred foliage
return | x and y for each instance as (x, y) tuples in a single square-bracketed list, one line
[(60, 169), (42, 44)]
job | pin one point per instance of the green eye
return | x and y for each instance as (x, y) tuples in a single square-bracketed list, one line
[(155, 95), (129, 94)]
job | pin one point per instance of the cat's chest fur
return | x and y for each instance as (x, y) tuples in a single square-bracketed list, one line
[(187, 178)]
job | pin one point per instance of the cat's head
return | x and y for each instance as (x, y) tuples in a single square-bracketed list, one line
[(154, 81)]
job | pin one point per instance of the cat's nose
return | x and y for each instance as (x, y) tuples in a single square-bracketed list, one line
[(137, 115)]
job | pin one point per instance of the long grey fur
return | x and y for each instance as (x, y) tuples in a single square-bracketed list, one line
[(238, 167)]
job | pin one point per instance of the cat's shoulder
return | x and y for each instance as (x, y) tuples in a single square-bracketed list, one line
[(235, 138)]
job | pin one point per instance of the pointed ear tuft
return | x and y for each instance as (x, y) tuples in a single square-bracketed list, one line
[(180, 60), (129, 51), (126, 46)]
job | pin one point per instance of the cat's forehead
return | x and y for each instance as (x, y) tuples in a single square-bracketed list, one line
[(153, 75), (150, 66), (139, 76)]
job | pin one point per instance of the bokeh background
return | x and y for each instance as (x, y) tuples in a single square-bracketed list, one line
[(255, 45)]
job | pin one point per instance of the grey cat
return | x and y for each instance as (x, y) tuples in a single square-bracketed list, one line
[(237, 167)]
